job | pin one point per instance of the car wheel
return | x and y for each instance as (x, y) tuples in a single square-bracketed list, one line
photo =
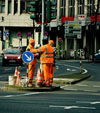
[(3, 64), (21, 64)]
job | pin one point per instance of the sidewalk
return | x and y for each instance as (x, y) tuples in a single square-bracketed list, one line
[(62, 80), (77, 60)]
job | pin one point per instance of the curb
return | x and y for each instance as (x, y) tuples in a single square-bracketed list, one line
[(39, 89), (56, 86), (74, 82), (69, 81)]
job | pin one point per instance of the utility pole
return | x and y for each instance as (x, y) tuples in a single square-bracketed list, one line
[(42, 26)]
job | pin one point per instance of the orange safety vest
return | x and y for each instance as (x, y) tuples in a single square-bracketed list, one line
[(47, 55)]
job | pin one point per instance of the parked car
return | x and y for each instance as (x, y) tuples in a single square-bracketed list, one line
[(23, 48), (97, 56), (12, 55)]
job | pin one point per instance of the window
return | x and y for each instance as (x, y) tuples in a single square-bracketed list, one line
[(80, 6), (62, 8), (16, 6), (23, 6), (71, 8), (99, 8), (91, 7), (2, 6), (9, 6), (27, 6)]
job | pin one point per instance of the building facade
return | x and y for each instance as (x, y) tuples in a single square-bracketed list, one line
[(14, 20), (71, 30), (80, 30)]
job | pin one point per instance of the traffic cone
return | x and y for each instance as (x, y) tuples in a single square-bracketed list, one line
[(18, 79), (16, 71), (39, 79)]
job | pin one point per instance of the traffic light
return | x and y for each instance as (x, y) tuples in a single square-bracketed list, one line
[(51, 10), (34, 9)]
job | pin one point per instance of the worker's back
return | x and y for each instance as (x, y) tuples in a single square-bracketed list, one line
[(47, 56)]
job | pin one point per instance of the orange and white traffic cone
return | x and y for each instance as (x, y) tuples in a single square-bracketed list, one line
[(16, 71), (39, 79), (18, 79)]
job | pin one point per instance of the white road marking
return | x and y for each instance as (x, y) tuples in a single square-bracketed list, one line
[(95, 86), (54, 106), (7, 69), (81, 85), (75, 107), (26, 94), (95, 102), (83, 102), (71, 89), (57, 67), (73, 69), (71, 107), (68, 69), (64, 86), (85, 71), (90, 91)]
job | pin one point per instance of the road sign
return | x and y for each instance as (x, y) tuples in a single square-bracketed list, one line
[(59, 39), (45, 33), (72, 29), (27, 57), (79, 36), (6, 34)]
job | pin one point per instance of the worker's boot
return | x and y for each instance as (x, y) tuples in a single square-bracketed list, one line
[(30, 84)]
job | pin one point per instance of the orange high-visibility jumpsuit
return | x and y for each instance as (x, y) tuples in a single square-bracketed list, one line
[(46, 59), (32, 65), (51, 42)]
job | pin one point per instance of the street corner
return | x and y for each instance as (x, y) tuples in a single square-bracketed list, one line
[(71, 79), (20, 83), (11, 88)]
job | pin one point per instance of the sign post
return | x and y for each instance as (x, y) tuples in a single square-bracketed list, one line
[(80, 52)]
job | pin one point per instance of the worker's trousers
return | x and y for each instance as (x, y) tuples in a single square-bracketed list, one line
[(47, 75)]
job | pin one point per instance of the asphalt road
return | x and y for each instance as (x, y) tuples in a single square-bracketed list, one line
[(83, 97)]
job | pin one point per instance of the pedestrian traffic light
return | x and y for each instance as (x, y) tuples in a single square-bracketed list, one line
[(51, 10), (34, 9)]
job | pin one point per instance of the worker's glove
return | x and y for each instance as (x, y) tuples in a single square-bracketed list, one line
[(37, 54)]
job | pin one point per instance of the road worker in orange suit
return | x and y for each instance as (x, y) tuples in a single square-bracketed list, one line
[(51, 42), (46, 60), (32, 65)]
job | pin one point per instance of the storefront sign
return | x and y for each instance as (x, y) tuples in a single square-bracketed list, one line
[(63, 19), (81, 17), (92, 19)]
